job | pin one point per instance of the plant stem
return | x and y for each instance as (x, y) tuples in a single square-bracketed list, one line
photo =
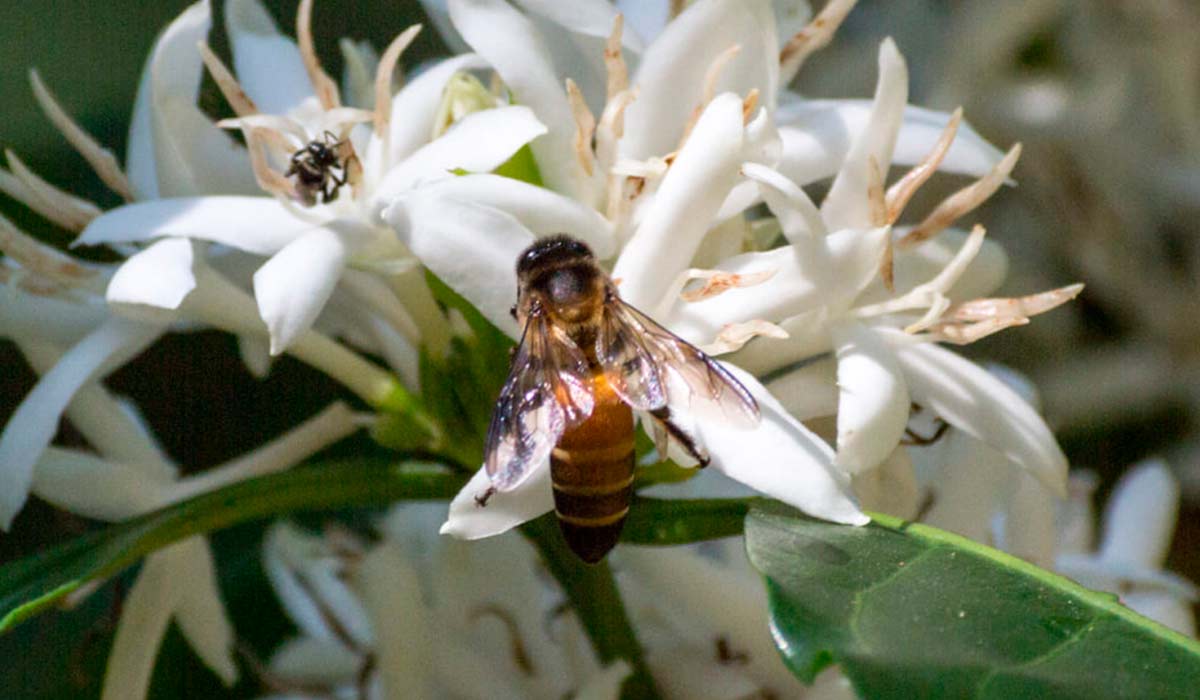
[(593, 594)]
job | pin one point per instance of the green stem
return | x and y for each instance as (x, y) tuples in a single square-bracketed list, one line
[(593, 594)]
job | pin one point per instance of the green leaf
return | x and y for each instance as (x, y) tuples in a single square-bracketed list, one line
[(31, 585), (667, 521), (910, 611)]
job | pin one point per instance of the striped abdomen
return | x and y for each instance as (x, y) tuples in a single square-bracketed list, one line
[(592, 472)]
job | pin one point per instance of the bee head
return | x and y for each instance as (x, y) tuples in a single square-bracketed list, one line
[(561, 273)]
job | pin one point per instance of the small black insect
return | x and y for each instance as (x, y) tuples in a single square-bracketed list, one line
[(319, 169)]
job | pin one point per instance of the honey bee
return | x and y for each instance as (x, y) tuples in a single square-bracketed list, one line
[(586, 361), (317, 167)]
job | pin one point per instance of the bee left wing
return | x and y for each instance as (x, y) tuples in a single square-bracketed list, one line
[(547, 391), (637, 353)]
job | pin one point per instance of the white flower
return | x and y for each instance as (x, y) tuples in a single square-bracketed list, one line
[(415, 616), (880, 341), (177, 583), (58, 316), (673, 211), (339, 243), (1139, 521)]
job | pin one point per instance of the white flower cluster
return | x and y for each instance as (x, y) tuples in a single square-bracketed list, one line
[(671, 146)]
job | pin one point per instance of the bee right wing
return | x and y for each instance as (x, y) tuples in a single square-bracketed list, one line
[(637, 353), (548, 390)]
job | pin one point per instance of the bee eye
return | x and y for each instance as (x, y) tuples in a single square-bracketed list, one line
[(513, 310)]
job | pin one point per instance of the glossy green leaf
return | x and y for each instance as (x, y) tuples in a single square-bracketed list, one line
[(911, 611), (30, 585), (666, 521)]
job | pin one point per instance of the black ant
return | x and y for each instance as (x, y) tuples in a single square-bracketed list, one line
[(314, 167)]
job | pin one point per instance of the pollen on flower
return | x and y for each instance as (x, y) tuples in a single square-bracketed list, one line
[(733, 336), (718, 282)]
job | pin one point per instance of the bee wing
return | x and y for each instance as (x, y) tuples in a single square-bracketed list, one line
[(636, 353), (548, 390)]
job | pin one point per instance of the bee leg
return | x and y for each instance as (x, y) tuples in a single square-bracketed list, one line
[(662, 419)]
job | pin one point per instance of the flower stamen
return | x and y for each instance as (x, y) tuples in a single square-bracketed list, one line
[(963, 201), (718, 282), (324, 87), (899, 194), (585, 127), (734, 335), (58, 206), (102, 160), (815, 36), (237, 98), (383, 78), (40, 259)]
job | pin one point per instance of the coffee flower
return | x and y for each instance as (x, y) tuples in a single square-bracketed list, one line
[(91, 319)]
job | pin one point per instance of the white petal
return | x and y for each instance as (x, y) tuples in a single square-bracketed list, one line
[(439, 14), (791, 16), (540, 210), (283, 546), (472, 248), (112, 425), (916, 266), (93, 487), (1118, 576), (292, 287), (710, 602), (477, 143), (685, 204), (513, 46), (967, 479), (256, 355), (159, 276), (199, 612), (873, 402), (671, 75), (144, 617), (504, 510), (391, 593), (588, 17), (301, 442), (32, 426), (687, 672), (891, 487), (175, 149), (817, 135), (847, 204), (1029, 522), (415, 107), (54, 320), (646, 19), (1139, 518), (268, 64), (605, 685), (799, 286), (1164, 608), (780, 458), (807, 392), (310, 660), (255, 224), (981, 405)]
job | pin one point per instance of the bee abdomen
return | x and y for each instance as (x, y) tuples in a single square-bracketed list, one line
[(592, 490)]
